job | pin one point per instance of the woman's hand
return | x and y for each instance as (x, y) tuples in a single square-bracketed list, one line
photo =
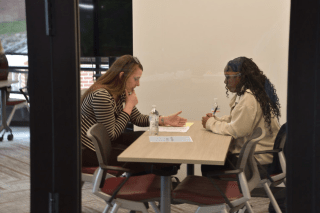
[(209, 115), (173, 120), (131, 101), (205, 119)]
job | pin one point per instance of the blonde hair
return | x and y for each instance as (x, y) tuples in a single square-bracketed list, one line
[(111, 80)]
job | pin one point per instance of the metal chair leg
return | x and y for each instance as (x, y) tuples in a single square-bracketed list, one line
[(249, 208), (155, 207), (272, 199), (115, 208), (107, 208), (224, 210)]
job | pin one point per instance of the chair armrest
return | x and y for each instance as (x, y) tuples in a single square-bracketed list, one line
[(268, 151), (223, 172), (23, 88), (119, 147), (109, 201), (264, 170), (114, 168), (262, 152), (24, 93), (118, 189)]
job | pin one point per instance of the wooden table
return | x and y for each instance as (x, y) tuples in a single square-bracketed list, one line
[(3, 86), (206, 148)]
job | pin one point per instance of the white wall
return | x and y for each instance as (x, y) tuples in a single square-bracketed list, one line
[(184, 46)]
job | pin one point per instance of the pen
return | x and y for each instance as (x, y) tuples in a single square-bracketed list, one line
[(215, 111)]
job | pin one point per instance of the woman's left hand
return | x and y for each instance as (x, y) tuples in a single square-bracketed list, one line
[(175, 120)]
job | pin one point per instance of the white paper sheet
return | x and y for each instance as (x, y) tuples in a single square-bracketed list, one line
[(170, 139), (173, 129), (164, 129)]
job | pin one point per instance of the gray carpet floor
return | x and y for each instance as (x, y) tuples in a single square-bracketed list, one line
[(15, 181)]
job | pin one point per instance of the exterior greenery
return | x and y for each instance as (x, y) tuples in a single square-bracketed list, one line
[(13, 27)]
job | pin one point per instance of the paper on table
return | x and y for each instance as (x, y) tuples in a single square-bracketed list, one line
[(170, 139), (173, 129), (164, 129), (188, 124)]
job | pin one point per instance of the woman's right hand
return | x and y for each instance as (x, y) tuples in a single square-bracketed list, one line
[(209, 115), (131, 100)]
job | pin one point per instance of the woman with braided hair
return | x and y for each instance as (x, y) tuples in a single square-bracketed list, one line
[(255, 104)]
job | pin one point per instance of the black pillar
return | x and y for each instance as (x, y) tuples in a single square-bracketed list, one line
[(303, 156), (53, 51)]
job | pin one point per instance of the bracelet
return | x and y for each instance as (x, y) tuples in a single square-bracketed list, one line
[(162, 119)]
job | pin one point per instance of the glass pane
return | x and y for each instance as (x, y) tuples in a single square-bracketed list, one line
[(89, 72), (15, 182), (13, 37), (86, 79), (13, 31)]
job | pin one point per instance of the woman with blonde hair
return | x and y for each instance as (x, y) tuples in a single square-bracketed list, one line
[(112, 101)]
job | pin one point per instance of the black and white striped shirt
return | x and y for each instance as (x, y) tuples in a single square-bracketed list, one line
[(100, 107)]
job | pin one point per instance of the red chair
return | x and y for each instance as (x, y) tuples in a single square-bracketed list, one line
[(218, 193), (88, 174), (125, 192)]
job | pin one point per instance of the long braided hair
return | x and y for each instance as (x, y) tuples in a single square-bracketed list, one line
[(263, 90)]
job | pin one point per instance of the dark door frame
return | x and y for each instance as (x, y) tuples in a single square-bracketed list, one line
[(303, 108), (53, 50)]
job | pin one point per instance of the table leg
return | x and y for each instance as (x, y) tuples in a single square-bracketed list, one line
[(190, 169), (165, 202)]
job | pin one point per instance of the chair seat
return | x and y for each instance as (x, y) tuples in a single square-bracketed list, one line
[(233, 176), (88, 170), (91, 170), (200, 190), (137, 188), (14, 101)]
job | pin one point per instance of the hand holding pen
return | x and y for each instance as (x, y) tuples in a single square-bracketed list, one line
[(212, 114), (208, 115)]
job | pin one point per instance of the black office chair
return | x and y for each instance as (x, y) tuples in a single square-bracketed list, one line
[(276, 173)]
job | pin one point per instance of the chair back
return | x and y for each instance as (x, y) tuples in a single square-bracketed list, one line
[(246, 159), (281, 137), (277, 165), (100, 138), (25, 90)]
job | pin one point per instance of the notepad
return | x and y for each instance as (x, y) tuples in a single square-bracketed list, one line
[(188, 124), (170, 139)]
